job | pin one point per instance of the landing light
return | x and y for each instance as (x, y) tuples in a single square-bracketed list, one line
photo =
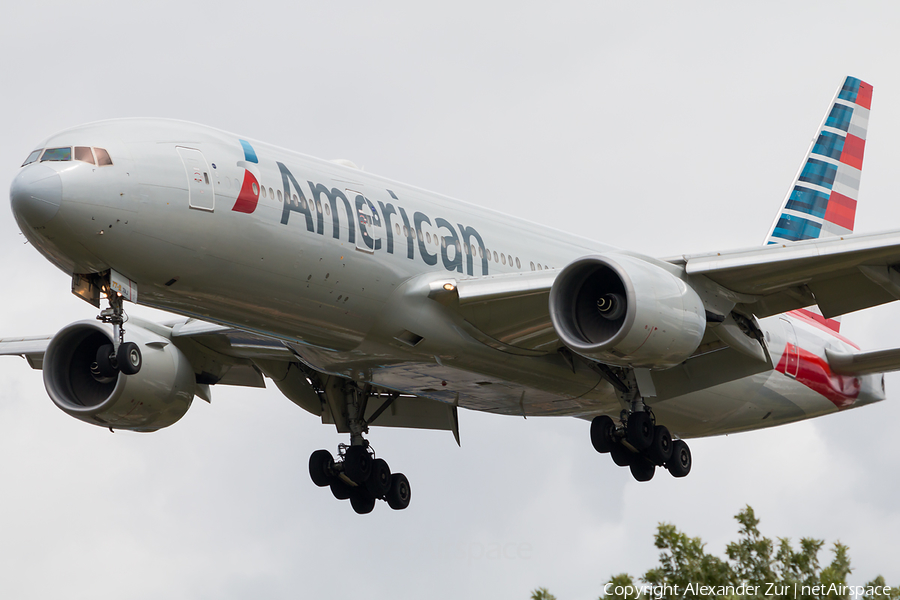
[(449, 287)]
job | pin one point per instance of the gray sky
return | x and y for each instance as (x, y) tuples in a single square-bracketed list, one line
[(660, 127)]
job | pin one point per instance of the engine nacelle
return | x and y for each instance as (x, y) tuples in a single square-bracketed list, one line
[(155, 397), (622, 310)]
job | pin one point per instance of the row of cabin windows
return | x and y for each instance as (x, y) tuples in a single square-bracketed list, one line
[(500, 258), (95, 156)]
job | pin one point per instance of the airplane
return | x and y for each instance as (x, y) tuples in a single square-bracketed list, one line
[(369, 302)]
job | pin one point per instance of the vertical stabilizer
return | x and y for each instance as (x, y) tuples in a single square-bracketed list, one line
[(822, 199)]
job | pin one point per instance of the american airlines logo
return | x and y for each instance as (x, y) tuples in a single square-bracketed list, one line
[(460, 247)]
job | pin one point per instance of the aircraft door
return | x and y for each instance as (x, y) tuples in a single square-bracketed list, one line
[(370, 230), (792, 350), (201, 194)]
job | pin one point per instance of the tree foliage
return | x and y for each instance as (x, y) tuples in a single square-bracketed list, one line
[(756, 567)]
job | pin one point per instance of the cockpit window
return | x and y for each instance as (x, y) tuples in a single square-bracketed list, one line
[(57, 154), (103, 158), (84, 154), (32, 157)]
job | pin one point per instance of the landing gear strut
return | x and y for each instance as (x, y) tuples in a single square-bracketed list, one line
[(357, 474), (637, 441), (120, 356)]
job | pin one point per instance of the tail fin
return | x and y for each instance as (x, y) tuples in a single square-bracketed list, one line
[(822, 199)]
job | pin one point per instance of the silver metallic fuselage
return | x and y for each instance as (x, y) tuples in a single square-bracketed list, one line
[(344, 307)]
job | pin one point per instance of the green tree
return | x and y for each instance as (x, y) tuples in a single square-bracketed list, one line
[(773, 571), (879, 583), (542, 594)]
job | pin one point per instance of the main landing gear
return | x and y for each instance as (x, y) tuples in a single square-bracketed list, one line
[(357, 474), (120, 356), (640, 444), (637, 441)]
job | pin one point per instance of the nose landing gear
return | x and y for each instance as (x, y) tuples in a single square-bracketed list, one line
[(120, 356), (357, 474)]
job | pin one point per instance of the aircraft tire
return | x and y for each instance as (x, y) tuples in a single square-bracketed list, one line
[(129, 358), (680, 463), (601, 434), (106, 367), (642, 469), (361, 500), (340, 489), (399, 495), (639, 430), (379, 482), (621, 455), (358, 464), (660, 451), (321, 467)]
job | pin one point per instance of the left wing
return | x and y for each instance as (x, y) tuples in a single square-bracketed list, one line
[(841, 275)]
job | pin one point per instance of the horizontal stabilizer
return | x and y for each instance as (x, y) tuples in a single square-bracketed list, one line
[(863, 363)]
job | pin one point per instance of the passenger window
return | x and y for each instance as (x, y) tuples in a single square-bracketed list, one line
[(503, 258), (255, 189), (103, 159), (397, 227), (496, 258), (32, 157), (57, 154), (279, 195), (428, 237), (263, 191), (327, 209), (518, 264), (539, 267), (206, 177), (532, 265)]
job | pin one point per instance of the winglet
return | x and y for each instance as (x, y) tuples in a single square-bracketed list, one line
[(822, 199)]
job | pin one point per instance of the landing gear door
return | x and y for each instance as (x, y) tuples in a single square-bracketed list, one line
[(201, 194), (370, 228), (792, 350)]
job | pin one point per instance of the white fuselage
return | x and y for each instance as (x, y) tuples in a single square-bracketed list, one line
[(324, 257)]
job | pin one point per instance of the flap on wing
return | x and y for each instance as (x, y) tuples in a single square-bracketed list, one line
[(862, 363), (841, 274), (235, 343), (31, 348), (511, 308)]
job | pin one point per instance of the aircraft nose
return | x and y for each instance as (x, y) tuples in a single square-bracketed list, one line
[(35, 195)]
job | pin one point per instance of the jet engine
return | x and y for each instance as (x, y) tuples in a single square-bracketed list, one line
[(621, 310), (155, 397)]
